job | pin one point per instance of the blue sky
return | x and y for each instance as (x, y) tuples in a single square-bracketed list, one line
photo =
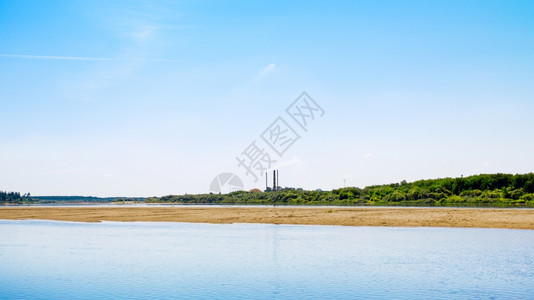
[(149, 98)]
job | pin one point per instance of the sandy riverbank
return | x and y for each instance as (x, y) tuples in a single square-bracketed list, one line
[(348, 216)]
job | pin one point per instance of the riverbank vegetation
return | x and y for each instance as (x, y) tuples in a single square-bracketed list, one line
[(494, 190), (500, 190), (15, 198)]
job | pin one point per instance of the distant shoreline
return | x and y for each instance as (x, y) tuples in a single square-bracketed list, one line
[(345, 216), (226, 205)]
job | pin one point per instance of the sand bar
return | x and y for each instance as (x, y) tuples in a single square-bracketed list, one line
[(347, 216)]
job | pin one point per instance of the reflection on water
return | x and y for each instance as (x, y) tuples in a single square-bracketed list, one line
[(48, 259)]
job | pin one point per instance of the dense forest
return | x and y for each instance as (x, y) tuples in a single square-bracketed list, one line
[(80, 199), (499, 190), (15, 198), (479, 190)]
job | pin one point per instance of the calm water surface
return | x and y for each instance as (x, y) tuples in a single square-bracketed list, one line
[(64, 260)]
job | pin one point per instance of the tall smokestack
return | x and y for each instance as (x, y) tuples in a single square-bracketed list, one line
[(274, 180), (266, 184), (277, 178)]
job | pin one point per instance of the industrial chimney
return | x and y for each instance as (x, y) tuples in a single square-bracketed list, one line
[(274, 180)]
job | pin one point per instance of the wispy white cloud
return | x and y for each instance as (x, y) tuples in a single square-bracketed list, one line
[(86, 85), (265, 71), (368, 155), (52, 57), (82, 58), (138, 32), (143, 33), (268, 69), (294, 161)]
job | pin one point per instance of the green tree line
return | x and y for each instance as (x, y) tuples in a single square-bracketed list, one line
[(14, 198), (477, 190)]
